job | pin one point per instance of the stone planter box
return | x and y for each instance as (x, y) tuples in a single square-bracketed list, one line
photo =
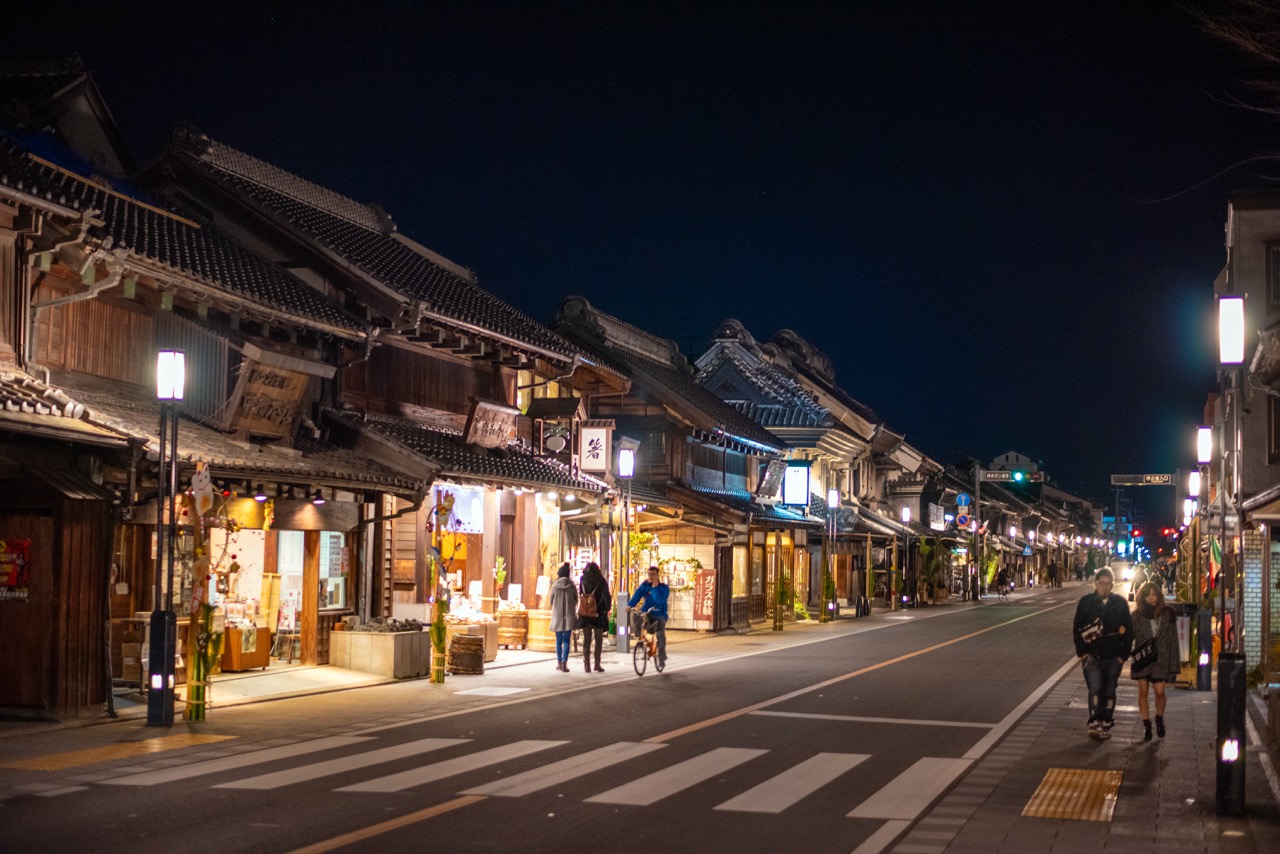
[(399, 655)]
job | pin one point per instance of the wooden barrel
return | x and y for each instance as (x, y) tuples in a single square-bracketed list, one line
[(466, 654), (513, 629), (541, 638)]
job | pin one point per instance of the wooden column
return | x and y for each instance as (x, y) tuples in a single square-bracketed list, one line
[(310, 597)]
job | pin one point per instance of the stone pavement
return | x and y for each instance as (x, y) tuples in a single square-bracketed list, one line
[(1165, 803)]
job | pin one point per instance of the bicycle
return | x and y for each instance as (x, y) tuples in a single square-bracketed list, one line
[(646, 646)]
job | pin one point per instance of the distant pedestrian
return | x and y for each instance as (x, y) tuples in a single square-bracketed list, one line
[(1053, 574), (1103, 634), (1154, 621), (564, 619), (595, 588)]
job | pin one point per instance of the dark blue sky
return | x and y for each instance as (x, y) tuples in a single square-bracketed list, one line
[(956, 201)]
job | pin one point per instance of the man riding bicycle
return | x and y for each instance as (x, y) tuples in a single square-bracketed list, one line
[(653, 593)]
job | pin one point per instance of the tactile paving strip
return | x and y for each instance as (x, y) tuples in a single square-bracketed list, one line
[(123, 750), (1075, 793)]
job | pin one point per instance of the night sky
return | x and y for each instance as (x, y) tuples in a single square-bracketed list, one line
[(999, 219)]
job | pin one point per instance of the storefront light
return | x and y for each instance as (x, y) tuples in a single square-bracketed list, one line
[(259, 493), (318, 499)]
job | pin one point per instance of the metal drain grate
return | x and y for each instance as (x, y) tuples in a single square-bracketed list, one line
[(1076, 794)]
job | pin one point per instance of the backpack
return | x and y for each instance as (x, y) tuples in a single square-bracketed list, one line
[(587, 605)]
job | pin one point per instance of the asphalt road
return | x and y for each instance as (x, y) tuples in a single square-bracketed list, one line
[(828, 746)]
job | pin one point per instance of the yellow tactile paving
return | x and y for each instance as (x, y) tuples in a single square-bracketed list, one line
[(123, 750), (1075, 793)]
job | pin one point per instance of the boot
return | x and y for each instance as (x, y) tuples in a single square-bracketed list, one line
[(586, 663), (1160, 725), (1146, 730)]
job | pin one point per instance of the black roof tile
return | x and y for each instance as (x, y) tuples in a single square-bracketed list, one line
[(365, 237), (134, 227)]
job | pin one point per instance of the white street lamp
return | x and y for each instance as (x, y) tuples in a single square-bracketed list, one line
[(1231, 329), (171, 379)]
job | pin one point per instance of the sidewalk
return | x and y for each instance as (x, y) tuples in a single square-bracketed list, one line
[(1165, 802)]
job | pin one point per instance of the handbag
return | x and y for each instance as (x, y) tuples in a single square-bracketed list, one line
[(1091, 631), (587, 605), (1144, 655)]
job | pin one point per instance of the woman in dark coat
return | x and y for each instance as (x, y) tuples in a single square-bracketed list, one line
[(1153, 619), (593, 584)]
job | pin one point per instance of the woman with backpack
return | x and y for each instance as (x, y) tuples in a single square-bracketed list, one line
[(594, 603)]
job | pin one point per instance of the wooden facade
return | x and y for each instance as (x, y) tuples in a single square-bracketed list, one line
[(54, 665)]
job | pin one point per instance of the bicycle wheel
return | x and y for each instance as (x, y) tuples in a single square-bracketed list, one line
[(639, 656)]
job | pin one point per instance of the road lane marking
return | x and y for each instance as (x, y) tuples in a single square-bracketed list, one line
[(800, 692), (108, 752), (389, 825), (538, 779), (794, 784), (1006, 723), (683, 775), (230, 763), (878, 841), (868, 720), (345, 763), (907, 795), (448, 768)]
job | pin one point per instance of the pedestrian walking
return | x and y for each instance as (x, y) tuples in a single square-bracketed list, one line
[(1154, 627), (564, 619), (1103, 634), (1053, 574), (593, 589)]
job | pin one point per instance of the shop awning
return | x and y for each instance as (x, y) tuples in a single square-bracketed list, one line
[(739, 506), (310, 462), (443, 453)]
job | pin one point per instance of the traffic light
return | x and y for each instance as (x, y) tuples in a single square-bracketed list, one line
[(1137, 533), (1025, 476)]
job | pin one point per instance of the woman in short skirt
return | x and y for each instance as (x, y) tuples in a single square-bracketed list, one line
[(1152, 618)]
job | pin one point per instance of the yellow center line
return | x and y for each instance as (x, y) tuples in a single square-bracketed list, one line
[(389, 825), (746, 710), (122, 750)]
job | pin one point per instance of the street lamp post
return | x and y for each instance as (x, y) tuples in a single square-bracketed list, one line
[(912, 584), (627, 451), (1231, 665), (170, 385), (828, 611)]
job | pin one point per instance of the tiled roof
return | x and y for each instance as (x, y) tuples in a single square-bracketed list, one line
[(362, 236), (29, 406), (791, 405), (741, 502), (134, 229), (310, 460), (778, 414), (29, 82), (458, 460)]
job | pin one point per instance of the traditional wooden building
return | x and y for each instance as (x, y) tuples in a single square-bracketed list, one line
[(452, 383), (700, 496)]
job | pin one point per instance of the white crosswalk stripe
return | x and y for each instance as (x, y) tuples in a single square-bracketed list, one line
[(677, 778), (448, 768), (330, 767), (231, 763), (910, 792), (547, 776), (902, 798), (793, 785)]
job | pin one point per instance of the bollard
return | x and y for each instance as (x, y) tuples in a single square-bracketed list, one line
[(1230, 754), (1204, 652)]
